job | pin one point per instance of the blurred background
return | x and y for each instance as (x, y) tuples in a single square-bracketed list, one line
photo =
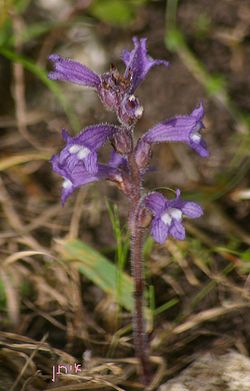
[(65, 286)]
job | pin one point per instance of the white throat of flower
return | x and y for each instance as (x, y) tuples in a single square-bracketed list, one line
[(195, 135), (139, 109), (79, 150), (67, 184), (170, 214)]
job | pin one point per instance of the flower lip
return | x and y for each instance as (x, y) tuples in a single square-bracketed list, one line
[(67, 183), (138, 112), (195, 136), (80, 151), (74, 173), (171, 214)]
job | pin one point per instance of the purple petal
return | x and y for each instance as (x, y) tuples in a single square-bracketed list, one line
[(125, 56), (116, 160), (73, 71), (174, 129), (67, 190), (177, 230), (80, 176), (56, 166), (191, 209), (91, 163), (66, 136), (159, 230), (155, 202), (200, 148), (73, 173), (138, 62), (93, 137), (198, 112)]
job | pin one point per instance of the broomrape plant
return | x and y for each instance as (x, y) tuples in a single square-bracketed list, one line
[(78, 163)]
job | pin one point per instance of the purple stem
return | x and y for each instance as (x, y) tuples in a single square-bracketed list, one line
[(140, 338)]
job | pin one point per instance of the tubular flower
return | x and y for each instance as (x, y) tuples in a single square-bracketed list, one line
[(184, 128), (69, 70), (168, 215), (138, 63)]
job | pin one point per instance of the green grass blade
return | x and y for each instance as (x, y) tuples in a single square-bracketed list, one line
[(99, 270), (14, 160), (166, 306), (41, 74)]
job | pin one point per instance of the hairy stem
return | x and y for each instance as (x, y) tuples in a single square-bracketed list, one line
[(140, 338)]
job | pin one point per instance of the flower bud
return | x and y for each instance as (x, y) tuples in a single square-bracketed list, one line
[(130, 110), (144, 218), (143, 154), (122, 141)]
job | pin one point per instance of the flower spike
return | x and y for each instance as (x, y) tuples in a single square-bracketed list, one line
[(78, 165)]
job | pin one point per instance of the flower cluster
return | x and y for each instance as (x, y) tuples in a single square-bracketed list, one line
[(78, 162)]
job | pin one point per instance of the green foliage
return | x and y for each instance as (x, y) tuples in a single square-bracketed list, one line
[(166, 306), (121, 240), (215, 84), (115, 12), (202, 25), (148, 246), (122, 247), (3, 299), (19, 5), (5, 32), (32, 31), (174, 39), (245, 256)]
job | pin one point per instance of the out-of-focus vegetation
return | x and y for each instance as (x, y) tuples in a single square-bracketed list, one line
[(65, 289)]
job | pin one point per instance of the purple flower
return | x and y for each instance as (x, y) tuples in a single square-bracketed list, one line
[(184, 128), (83, 147), (138, 62), (114, 89), (75, 174), (168, 215)]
